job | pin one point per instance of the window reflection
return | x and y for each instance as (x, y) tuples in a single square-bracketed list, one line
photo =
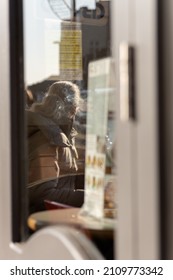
[(64, 41)]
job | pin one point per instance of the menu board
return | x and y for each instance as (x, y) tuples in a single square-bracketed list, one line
[(100, 93)]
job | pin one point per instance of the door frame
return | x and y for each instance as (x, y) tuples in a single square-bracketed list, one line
[(165, 56), (138, 234)]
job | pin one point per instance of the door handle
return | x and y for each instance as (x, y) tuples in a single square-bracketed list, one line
[(127, 82)]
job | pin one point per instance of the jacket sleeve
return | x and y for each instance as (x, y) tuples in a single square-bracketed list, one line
[(66, 158)]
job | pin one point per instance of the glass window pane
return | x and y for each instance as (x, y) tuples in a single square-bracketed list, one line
[(70, 106)]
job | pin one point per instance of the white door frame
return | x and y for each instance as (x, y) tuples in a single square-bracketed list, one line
[(138, 236)]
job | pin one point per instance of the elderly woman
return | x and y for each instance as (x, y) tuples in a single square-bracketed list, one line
[(52, 155)]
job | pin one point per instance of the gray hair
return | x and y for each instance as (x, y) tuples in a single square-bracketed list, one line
[(60, 103)]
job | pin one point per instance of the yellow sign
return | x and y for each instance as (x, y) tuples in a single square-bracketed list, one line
[(71, 51)]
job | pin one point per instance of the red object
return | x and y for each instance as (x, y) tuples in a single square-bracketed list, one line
[(52, 205)]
